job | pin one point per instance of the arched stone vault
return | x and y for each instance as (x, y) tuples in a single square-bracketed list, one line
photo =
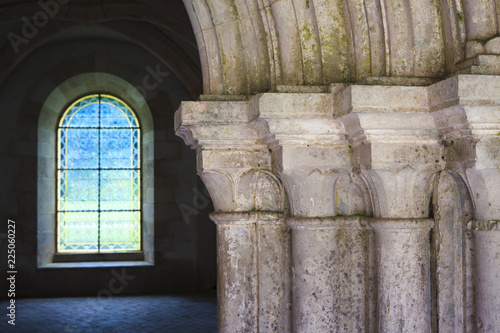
[(251, 46)]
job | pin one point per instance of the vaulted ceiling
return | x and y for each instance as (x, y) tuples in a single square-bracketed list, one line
[(162, 28), (250, 46)]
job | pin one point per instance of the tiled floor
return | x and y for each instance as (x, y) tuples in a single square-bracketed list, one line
[(144, 314)]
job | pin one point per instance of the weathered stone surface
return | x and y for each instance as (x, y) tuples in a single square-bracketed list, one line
[(454, 287), (235, 162), (275, 275), (333, 275), (388, 192), (251, 48), (403, 265), (487, 247), (237, 273)]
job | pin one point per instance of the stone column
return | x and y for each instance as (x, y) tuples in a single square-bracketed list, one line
[(330, 254), (453, 210), (403, 263), (396, 147), (234, 151), (467, 112), (333, 275)]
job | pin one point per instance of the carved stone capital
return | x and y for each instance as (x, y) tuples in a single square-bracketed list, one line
[(234, 151), (395, 144), (467, 112), (314, 150)]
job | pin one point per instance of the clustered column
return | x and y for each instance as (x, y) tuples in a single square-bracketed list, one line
[(337, 207)]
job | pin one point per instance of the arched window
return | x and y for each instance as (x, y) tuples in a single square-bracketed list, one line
[(98, 177)]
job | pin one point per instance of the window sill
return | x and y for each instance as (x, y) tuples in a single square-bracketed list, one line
[(99, 257), (89, 260), (96, 264)]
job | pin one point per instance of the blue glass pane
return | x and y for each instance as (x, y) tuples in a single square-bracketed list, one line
[(84, 113), (78, 232), (79, 148), (116, 114), (119, 148), (78, 190)]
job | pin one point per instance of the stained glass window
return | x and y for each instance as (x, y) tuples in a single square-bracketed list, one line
[(99, 177)]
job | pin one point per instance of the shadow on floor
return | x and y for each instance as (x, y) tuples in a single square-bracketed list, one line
[(142, 314)]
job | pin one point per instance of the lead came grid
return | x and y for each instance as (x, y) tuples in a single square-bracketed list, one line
[(99, 177)]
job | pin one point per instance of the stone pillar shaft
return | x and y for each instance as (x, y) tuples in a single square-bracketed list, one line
[(253, 272), (237, 280), (273, 246), (332, 272), (403, 270)]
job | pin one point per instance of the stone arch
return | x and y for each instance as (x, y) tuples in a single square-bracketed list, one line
[(253, 46)]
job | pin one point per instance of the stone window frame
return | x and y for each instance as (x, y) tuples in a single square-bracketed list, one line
[(52, 109)]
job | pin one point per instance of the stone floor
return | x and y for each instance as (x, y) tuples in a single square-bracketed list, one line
[(142, 314)]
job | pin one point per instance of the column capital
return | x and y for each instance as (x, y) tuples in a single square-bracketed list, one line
[(314, 151), (234, 154), (395, 144), (466, 109)]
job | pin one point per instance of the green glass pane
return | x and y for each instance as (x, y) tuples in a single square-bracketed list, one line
[(120, 231), (78, 190), (117, 148), (79, 148), (114, 113), (118, 189), (78, 231), (85, 113)]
